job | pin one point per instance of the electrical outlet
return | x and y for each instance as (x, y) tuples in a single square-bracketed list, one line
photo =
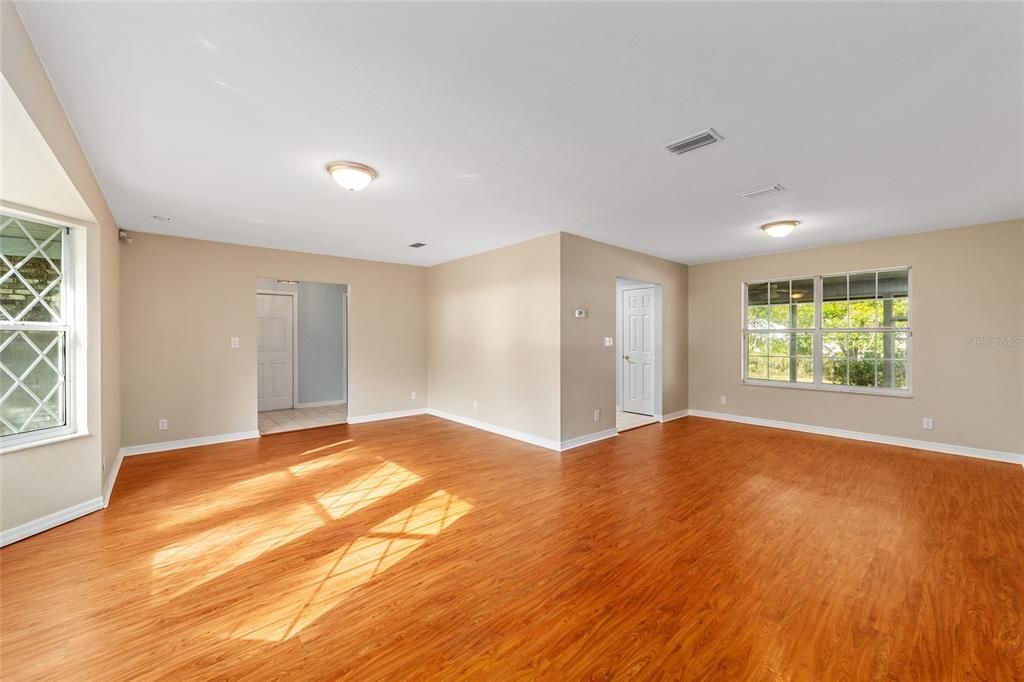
[(234, 342), (162, 425), (597, 415), (412, 396), (927, 423), (476, 405), (721, 399)]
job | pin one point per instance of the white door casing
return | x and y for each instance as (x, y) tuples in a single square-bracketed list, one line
[(638, 350), (274, 352)]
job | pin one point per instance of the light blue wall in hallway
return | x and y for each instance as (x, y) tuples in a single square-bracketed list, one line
[(321, 343)]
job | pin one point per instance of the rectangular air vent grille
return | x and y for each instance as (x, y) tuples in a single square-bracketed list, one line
[(761, 191), (695, 141)]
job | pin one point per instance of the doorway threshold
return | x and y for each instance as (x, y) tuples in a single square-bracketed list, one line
[(282, 421), (626, 421)]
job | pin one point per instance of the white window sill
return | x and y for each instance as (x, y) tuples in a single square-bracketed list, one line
[(885, 393), (48, 439)]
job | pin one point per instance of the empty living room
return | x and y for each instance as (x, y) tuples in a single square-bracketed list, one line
[(511, 340)]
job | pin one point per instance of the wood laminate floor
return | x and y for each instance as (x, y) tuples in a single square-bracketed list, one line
[(423, 549)]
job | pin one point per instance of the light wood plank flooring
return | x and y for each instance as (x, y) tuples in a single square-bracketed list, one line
[(422, 549)]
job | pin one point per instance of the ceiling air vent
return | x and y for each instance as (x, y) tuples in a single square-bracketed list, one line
[(417, 245), (761, 191), (695, 141)]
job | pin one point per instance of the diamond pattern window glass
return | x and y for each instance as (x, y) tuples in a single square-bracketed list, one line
[(33, 326)]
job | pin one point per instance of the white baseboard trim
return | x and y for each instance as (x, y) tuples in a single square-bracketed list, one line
[(500, 430), (108, 485), (50, 521), (322, 403), (363, 419), (147, 448), (673, 415), (589, 438), (963, 450)]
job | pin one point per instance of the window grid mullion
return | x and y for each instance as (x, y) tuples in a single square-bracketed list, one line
[(18, 330), (876, 354)]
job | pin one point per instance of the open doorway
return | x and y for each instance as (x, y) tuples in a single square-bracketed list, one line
[(638, 369), (301, 354)]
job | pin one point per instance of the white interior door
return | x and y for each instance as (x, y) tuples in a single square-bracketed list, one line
[(274, 352), (638, 350)]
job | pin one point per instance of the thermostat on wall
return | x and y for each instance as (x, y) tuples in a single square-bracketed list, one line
[(581, 312)]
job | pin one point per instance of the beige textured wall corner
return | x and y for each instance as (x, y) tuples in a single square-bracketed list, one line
[(589, 269), (967, 282), (48, 479), (493, 337), (183, 300), (110, 346)]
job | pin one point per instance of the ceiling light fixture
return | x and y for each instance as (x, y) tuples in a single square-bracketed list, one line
[(351, 175), (780, 228)]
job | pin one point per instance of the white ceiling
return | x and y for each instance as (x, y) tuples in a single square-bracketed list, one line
[(492, 123)]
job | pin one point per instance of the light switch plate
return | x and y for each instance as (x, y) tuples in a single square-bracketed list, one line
[(609, 341), (234, 342)]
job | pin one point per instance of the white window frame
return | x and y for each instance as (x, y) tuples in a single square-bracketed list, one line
[(69, 320), (818, 331)]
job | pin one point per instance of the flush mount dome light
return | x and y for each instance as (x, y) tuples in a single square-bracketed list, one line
[(780, 228), (351, 175)]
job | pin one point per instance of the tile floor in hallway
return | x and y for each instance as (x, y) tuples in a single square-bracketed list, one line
[(624, 421), (279, 421)]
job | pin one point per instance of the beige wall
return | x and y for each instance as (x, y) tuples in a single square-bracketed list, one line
[(183, 300), (110, 347), (48, 479), (589, 269), (494, 337), (967, 282)]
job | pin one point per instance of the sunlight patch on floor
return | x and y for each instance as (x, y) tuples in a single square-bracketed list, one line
[(230, 497), (305, 596), (323, 462), (429, 516), (329, 445), (202, 557), (383, 480)]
